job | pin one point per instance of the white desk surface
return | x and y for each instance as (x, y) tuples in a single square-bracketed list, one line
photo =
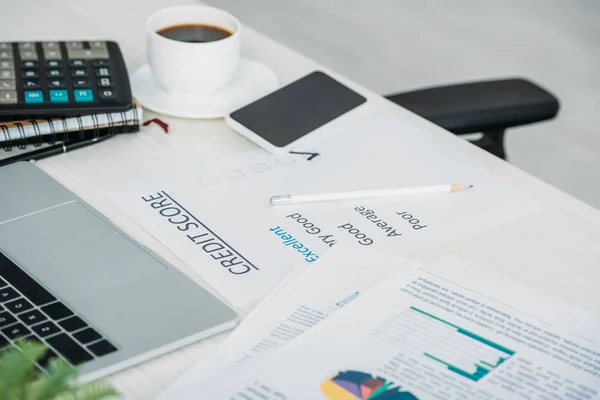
[(556, 252)]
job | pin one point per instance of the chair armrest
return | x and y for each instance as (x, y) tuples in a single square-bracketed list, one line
[(481, 106)]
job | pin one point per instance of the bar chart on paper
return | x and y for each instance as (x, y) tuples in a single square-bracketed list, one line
[(444, 344)]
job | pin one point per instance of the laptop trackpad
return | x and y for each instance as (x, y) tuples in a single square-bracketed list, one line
[(75, 253)]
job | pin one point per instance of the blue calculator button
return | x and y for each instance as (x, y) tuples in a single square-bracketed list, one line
[(59, 96), (34, 97), (83, 95)]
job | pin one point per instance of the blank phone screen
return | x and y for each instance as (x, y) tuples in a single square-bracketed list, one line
[(297, 109)]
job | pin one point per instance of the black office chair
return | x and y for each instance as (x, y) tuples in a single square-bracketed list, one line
[(489, 107)]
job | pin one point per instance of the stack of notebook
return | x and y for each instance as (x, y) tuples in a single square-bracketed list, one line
[(21, 136)]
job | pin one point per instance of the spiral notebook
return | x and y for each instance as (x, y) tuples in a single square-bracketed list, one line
[(19, 135)]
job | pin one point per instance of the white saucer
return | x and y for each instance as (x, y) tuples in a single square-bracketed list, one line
[(251, 81)]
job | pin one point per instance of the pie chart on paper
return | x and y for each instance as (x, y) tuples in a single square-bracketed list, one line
[(356, 385)]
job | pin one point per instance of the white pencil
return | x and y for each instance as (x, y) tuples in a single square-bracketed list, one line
[(285, 199)]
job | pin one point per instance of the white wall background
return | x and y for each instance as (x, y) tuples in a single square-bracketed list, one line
[(397, 45)]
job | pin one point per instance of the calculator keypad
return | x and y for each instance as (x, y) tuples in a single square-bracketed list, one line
[(28, 51), (31, 84), (81, 83), (94, 50), (107, 94), (59, 96), (104, 82), (29, 64), (8, 88), (8, 97), (83, 95), (34, 97), (72, 74), (7, 84), (56, 84), (6, 54)]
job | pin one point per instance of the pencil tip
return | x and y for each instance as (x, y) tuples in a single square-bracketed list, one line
[(456, 187)]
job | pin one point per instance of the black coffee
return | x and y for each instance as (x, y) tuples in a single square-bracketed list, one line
[(194, 33)]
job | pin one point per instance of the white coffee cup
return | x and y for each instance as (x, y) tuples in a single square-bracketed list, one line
[(193, 68)]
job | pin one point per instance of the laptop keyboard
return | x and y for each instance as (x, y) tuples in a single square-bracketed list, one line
[(29, 311)]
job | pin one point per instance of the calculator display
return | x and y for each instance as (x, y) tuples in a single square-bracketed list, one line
[(62, 79)]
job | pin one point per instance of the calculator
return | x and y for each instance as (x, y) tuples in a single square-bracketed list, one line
[(62, 79)]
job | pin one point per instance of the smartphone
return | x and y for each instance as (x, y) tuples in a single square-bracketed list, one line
[(283, 120)]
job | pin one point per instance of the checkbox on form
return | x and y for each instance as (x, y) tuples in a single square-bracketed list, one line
[(260, 167), (234, 174)]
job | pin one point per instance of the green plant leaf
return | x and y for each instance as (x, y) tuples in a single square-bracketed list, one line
[(59, 380), (17, 368), (19, 379)]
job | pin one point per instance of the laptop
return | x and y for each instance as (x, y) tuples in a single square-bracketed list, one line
[(73, 281)]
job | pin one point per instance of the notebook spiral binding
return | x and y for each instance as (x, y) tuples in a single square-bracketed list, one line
[(38, 135), (96, 126), (80, 125), (6, 138), (110, 128), (22, 143)]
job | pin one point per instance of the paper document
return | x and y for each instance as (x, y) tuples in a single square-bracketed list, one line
[(220, 250), (418, 335), (223, 226), (339, 277)]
